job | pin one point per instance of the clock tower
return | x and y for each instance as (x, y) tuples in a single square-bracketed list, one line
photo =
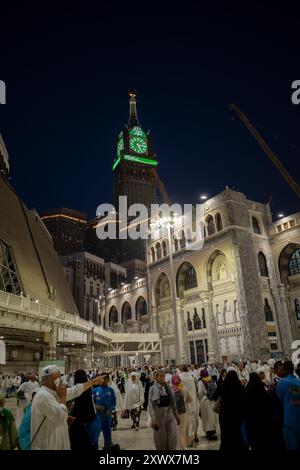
[(133, 162)]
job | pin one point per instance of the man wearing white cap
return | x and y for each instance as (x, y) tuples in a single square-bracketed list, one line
[(49, 428)]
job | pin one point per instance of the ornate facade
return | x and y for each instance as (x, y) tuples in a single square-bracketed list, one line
[(238, 296)]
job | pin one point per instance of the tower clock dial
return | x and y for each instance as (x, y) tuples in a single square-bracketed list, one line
[(138, 145)]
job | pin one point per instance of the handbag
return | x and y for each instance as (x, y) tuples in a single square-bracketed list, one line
[(125, 414), (217, 405)]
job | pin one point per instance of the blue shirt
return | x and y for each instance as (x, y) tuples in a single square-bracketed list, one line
[(24, 429), (288, 390), (105, 396)]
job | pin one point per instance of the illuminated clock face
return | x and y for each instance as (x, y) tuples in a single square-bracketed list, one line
[(138, 145)]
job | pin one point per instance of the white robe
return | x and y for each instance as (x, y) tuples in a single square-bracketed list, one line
[(208, 416), (189, 383), (53, 433), (134, 396)]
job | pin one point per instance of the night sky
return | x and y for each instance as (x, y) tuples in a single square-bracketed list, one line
[(67, 73)]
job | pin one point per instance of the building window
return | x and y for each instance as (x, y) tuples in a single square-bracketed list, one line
[(182, 240), (210, 225), (126, 312), (197, 321), (268, 311), (164, 248), (292, 223), (279, 228), (192, 352), (175, 244), (285, 226), (189, 322), (274, 346), (141, 308), (203, 318), (9, 277), (294, 263), (158, 250), (272, 333), (218, 220), (262, 265), (255, 225), (297, 309), (113, 317)]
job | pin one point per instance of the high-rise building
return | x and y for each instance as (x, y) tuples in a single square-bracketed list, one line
[(67, 228), (132, 174)]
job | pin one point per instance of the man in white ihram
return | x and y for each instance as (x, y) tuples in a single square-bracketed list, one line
[(49, 427)]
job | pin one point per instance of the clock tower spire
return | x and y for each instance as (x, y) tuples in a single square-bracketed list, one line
[(133, 117), (134, 159)]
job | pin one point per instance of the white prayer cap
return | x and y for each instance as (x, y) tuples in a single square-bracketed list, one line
[(260, 369), (49, 370), (231, 368), (133, 374)]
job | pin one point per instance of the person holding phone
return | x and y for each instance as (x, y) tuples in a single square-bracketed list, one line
[(49, 414)]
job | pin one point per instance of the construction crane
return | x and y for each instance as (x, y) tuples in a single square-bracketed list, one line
[(289, 179), (161, 187)]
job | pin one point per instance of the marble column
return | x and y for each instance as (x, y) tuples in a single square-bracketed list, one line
[(210, 329)]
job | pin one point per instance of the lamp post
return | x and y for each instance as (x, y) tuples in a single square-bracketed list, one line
[(179, 354)]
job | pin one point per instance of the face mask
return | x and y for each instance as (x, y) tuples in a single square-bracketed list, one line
[(57, 382)]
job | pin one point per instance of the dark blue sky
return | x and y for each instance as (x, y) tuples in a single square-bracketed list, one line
[(67, 74)]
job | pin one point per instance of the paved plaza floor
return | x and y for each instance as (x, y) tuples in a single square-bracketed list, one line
[(130, 439)]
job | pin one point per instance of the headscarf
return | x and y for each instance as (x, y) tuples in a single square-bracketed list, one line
[(83, 408), (176, 383), (205, 378)]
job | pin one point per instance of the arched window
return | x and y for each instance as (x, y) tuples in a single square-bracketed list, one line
[(210, 225), (113, 317), (189, 236), (268, 311), (255, 225), (126, 312), (186, 278), (182, 240), (297, 309), (197, 321), (152, 254), (294, 263), (189, 322), (140, 307), (218, 220), (175, 244), (164, 248), (263, 268), (158, 250)]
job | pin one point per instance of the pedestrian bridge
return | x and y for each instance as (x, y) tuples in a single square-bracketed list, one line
[(26, 321)]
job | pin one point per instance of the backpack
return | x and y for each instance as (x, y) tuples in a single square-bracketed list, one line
[(180, 405)]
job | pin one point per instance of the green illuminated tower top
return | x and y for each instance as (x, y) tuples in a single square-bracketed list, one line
[(133, 176), (133, 143)]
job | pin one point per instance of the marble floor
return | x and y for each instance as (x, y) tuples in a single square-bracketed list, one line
[(130, 439)]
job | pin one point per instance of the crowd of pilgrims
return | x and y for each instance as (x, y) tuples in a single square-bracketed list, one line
[(251, 405)]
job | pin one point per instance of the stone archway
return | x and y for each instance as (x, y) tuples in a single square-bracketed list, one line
[(140, 308)]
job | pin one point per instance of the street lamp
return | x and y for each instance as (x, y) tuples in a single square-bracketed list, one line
[(169, 224)]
